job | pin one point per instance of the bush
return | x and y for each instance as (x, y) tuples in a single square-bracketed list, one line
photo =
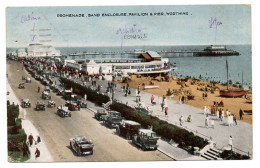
[(81, 90), (17, 142), (162, 128), (12, 114), (230, 155)]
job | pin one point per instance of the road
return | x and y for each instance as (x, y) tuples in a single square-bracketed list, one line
[(57, 131)]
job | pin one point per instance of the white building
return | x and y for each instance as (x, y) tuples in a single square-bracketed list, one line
[(38, 50)]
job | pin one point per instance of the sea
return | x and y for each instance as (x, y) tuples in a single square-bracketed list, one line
[(205, 68)]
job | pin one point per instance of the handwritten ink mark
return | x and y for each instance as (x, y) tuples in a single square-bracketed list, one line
[(214, 23)]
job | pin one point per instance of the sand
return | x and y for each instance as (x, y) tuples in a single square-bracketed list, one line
[(232, 104)]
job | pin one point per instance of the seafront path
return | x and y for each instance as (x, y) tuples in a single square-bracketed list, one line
[(241, 133), (29, 128)]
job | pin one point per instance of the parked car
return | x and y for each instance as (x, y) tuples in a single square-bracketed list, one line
[(101, 115), (46, 95), (81, 145), (114, 119), (28, 80), (25, 103), (40, 105), (82, 103), (60, 92), (128, 129), (47, 89), (63, 111), (72, 106), (146, 139), (51, 104), (21, 86)]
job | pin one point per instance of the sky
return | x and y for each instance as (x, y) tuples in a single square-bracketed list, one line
[(204, 25)]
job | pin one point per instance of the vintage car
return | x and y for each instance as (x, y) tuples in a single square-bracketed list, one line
[(82, 103), (113, 119), (47, 89), (51, 104), (63, 111), (28, 80), (128, 129), (146, 139), (21, 86), (73, 106), (25, 103), (101, 115), (37, 77), (60, 92), (81, 145), (40, 105), (45, 81), (46, 95)]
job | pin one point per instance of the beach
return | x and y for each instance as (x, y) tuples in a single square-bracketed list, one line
[(194, 87)]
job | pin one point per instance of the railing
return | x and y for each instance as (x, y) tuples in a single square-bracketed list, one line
[(237, 150)]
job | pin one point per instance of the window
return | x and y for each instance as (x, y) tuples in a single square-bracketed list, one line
[(137, 67), (149, 66)]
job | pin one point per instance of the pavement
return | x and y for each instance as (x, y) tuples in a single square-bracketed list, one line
[(241, 133), (29, 128)]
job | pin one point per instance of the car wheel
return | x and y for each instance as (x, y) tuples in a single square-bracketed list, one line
[(71, 146), (92, 152), (128, 137), (118, 131), (143, 148)]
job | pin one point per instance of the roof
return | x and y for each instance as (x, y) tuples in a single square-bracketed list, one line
[(146, 131), (131, 122), (26, 100), (114, 112), (153, 54), (146, 56), (65, 108)]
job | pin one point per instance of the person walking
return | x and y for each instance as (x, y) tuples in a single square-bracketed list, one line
[(241, 113), (189, 118), (207, 121), (222, 115), (31, 139), (230, 142), (37, 153), (235, 119), (39, 89), (166, 111), (181, 120), (152, 99), (180, 100), (217, 114)]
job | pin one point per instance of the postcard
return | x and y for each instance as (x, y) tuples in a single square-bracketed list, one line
[(129, 83)]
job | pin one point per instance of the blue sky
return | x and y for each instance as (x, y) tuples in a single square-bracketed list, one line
[(192, 29)]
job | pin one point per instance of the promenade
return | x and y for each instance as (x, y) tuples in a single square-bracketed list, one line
[(29, 128), (241, 133)]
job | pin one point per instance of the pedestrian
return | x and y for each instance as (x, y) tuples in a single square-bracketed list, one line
[(203, 96), (162, 105), (217, 113), (241, 113), (212, 123), (189, 118), (228, 112), (180, 100), (181, 120), (207, 122), (39, 89), (152, 99), (37, 153), (166, 111), (222, 115), (230, 142), (38, 139), (205, 110), (129, 92), (31, 139), (235, 119)]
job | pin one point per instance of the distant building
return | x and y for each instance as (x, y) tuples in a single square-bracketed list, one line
[(38, 50)]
